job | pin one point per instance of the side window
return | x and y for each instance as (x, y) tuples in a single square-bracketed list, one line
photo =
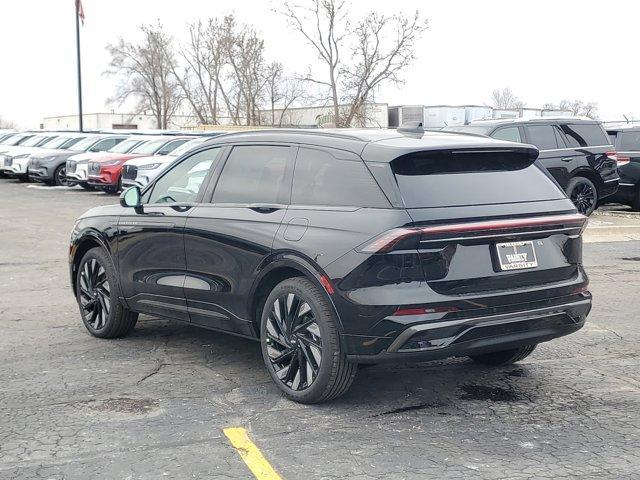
[(255, 174), (183, 182), (320, 178), (510, 134), (584, 134), (171, 146), (542, 136)]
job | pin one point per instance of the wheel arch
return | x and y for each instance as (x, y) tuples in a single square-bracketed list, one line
[(279, 268), (591, 175), (80, 247)]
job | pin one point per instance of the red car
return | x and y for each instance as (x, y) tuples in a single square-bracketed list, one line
[(105, 172)]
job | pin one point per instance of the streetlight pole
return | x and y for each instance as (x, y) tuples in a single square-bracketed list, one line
[(77, 14)]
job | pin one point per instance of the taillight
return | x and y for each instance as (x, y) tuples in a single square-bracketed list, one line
[(620, 159), (409, 237)]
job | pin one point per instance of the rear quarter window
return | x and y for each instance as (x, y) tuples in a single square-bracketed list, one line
[(452, 179), (585, 135), (320, 178)]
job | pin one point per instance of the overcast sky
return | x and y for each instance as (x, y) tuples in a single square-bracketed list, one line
[(544, 50)]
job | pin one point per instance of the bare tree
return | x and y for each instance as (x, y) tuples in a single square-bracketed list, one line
[(7, 124), (580, 108), (146, 74), (358, 60), (504, 99), (282, 92)]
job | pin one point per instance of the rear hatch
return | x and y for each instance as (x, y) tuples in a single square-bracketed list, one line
[(485, 220)]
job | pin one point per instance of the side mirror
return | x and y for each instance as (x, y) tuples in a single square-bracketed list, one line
[(131, 197)]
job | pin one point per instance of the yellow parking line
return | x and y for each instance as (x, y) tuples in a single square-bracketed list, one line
[(251, 454)]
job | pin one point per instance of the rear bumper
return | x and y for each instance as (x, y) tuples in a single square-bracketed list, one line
[(609, 187), (474, 335)]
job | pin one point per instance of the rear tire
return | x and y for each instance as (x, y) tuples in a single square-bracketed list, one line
[(98, 293), (504, 357), (301, 343), (584, 194)]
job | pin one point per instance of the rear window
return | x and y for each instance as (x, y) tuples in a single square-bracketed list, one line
[(585, 134), (449, 179), (322, 179), (629, 140)]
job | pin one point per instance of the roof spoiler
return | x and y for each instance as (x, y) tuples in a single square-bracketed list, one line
[(411, 129)]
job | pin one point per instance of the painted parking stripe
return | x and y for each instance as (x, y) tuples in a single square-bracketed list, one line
[(251, 454)]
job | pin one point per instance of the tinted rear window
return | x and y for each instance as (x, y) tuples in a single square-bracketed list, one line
[(443, 179), (584, 135), (322, 179), (629, 140)]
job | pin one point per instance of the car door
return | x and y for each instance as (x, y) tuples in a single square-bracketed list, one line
[(227, 239), (151, 252), (554, 155)]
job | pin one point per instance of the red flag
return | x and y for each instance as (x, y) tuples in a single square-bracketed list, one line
[(80, 10)]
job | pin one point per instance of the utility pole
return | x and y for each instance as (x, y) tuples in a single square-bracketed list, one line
[(78, 8)]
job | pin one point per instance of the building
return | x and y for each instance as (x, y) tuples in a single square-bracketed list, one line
[(108, 121), (372, 115)]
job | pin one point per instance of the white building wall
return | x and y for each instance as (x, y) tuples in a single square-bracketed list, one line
[(103, 121)]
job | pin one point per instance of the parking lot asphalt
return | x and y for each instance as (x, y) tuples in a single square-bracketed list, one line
[(155, 404)]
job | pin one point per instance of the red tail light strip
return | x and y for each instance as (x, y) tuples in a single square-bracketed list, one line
[(388, 240)]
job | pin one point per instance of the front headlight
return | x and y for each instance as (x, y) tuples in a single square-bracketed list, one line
[(24, 155), (149, 166)]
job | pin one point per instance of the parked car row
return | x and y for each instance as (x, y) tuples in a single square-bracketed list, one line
[(577, 153), (93, 160)]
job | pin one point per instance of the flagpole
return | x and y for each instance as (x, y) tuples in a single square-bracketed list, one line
[(78, 64)]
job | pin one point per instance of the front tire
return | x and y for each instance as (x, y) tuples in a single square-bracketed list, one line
[(60, 176), (301, 343), (584, 194), (97, 293), (504, 357)]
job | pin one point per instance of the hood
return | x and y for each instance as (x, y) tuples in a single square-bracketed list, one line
[(88, 156), (51, 153), (162, 159), (114, 157)]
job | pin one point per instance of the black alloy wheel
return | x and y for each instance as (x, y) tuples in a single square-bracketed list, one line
[(301, 344), (98, 294), (94, 294), (582, 192), (294, 342)]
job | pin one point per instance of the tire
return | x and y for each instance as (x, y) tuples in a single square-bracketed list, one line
[(504, 357), (584, 194), (297, 317), (97, 293), (635, 204), (86, 186), (59, 178)]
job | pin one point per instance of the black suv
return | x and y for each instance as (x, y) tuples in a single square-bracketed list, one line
[(577, 153), (339, 248), (626, 140)]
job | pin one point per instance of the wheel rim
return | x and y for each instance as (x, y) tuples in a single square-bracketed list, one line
[(294, 342), (583, 197), (62, 176), (95, 294)]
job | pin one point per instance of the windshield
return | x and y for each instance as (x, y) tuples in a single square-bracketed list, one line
[(150, 147), (84, 144), (477, 129), (57, 142), (125, 146), (33, 141), (185, 147), (16, 139)]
